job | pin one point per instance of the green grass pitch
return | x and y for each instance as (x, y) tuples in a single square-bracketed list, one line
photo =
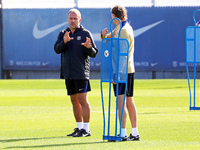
[(37, 114)]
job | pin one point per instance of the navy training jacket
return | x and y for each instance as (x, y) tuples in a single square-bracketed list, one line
[(75, 58)]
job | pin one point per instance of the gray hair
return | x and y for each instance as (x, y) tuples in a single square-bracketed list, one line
[(75, 11)]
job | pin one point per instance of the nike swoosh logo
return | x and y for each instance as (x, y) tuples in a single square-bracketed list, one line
[(98, 64), (38, 34), (45, 63), (153, 64), (137, 32), (146, 28), (80, 89)]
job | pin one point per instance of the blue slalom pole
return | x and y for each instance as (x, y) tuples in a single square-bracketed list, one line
[(110, 72)]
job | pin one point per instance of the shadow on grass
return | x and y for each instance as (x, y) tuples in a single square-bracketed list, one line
[(53, 145), (28, 139), (45, 146)]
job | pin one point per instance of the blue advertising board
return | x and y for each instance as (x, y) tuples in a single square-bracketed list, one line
[(29, 36)]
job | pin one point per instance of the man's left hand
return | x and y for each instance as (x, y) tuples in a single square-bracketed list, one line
[(87, 43)]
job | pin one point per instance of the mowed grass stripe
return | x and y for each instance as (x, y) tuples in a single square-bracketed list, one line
[(37, 114)]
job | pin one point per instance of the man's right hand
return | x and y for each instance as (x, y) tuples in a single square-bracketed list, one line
[(104, 32), (66, 37)]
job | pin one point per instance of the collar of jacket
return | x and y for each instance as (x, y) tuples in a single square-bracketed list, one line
[(77, 29)]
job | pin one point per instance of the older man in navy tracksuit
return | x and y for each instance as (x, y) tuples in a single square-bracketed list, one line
[(76, 46)]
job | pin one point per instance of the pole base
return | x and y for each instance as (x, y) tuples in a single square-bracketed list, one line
[(112, 138), (194, 108)]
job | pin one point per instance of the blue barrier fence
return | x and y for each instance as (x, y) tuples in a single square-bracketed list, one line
[(29, 36)]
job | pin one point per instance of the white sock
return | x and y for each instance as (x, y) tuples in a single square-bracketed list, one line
[(79, 125), (135, 131), (123, 132), (86, 126)]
